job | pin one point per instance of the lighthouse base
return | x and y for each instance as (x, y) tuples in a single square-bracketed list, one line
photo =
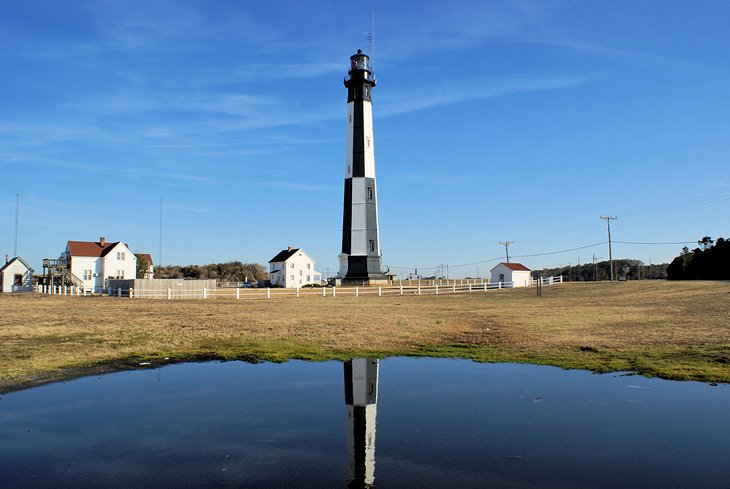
[(361, 270)]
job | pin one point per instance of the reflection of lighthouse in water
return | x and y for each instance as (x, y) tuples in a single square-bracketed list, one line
[(361, 397)]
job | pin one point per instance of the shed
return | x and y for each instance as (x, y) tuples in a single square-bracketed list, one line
[(511, 275), (16, 276)]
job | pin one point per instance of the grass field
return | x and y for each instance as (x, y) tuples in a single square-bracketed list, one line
[(675, 330)]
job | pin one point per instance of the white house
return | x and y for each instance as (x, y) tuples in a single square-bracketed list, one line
[(150, 272), (514, 274), (93, 262), (292, 268), (16, 276)]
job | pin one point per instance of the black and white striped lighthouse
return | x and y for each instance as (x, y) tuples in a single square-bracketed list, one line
[(361, 400), (360, 260)]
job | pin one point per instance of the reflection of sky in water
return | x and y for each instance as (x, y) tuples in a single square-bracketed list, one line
[(440, 423)]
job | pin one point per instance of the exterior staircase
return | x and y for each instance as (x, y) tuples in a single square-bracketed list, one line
[(56, 272)]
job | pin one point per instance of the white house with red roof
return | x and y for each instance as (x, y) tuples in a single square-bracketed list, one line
[(292, 268), (95, 261), (146, 257), (511, 274)]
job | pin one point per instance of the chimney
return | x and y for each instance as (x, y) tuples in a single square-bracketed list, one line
[(288, 248), (102, 241), (7, 259)]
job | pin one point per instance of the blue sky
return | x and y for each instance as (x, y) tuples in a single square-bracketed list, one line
[(516, 120)]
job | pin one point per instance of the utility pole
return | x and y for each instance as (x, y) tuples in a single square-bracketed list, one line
[(17, 206), (506, 247), (608, 220)]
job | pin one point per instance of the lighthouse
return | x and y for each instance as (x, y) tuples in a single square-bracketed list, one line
[(360, 260), (361, 401)]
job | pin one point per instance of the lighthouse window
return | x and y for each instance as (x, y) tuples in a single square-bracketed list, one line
[(370, 193), (368, 142), (372, 245)]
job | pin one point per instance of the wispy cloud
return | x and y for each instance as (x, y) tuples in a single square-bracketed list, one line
[(448, 93)]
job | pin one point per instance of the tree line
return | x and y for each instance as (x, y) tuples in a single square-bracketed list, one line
[(623, 269), (234, 271), (709, 261)]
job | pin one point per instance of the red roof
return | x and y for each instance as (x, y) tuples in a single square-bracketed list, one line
[(145, 255), (89, 248), (516, 266)]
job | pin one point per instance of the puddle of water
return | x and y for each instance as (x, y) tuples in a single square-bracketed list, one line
[(391, 423)]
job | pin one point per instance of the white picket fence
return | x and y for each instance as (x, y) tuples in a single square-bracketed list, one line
[(430, 287)]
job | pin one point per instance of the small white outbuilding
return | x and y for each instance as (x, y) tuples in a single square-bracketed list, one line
[(16, 276), (511, 275)]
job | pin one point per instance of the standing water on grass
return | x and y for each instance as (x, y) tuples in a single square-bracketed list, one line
[(395, 423)]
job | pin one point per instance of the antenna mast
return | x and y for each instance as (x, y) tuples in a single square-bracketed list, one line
[(371, 43), (160, 257), (17, 206)]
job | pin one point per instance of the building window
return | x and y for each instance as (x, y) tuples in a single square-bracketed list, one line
[(309, 266), (370, 193), (120, 274), (300, 273), (120, 255), (292, 265), (309, 278), (372, 245), (87, 275), (292, 277), (368, 140)]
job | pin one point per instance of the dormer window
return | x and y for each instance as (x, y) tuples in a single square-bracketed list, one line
[(120, 255)]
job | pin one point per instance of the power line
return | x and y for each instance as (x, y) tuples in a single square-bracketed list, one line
[(663, 243), (680, 204), (561, 251)]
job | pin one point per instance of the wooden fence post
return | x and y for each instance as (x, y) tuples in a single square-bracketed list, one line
[(357, 291), (401, 289), (119, 291), (238, 293), (419, 287), (131, 293), (380, 291), (334, 291), (453, 287), (268, 292), (205, 293), (324, 291), (297, 291), (470, 287), (437, 288), (169, 294)]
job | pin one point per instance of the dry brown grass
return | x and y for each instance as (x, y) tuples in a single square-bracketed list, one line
[(673, 330)]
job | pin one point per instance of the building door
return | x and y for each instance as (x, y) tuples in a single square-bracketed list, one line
[(501, 277), (18, 280)]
